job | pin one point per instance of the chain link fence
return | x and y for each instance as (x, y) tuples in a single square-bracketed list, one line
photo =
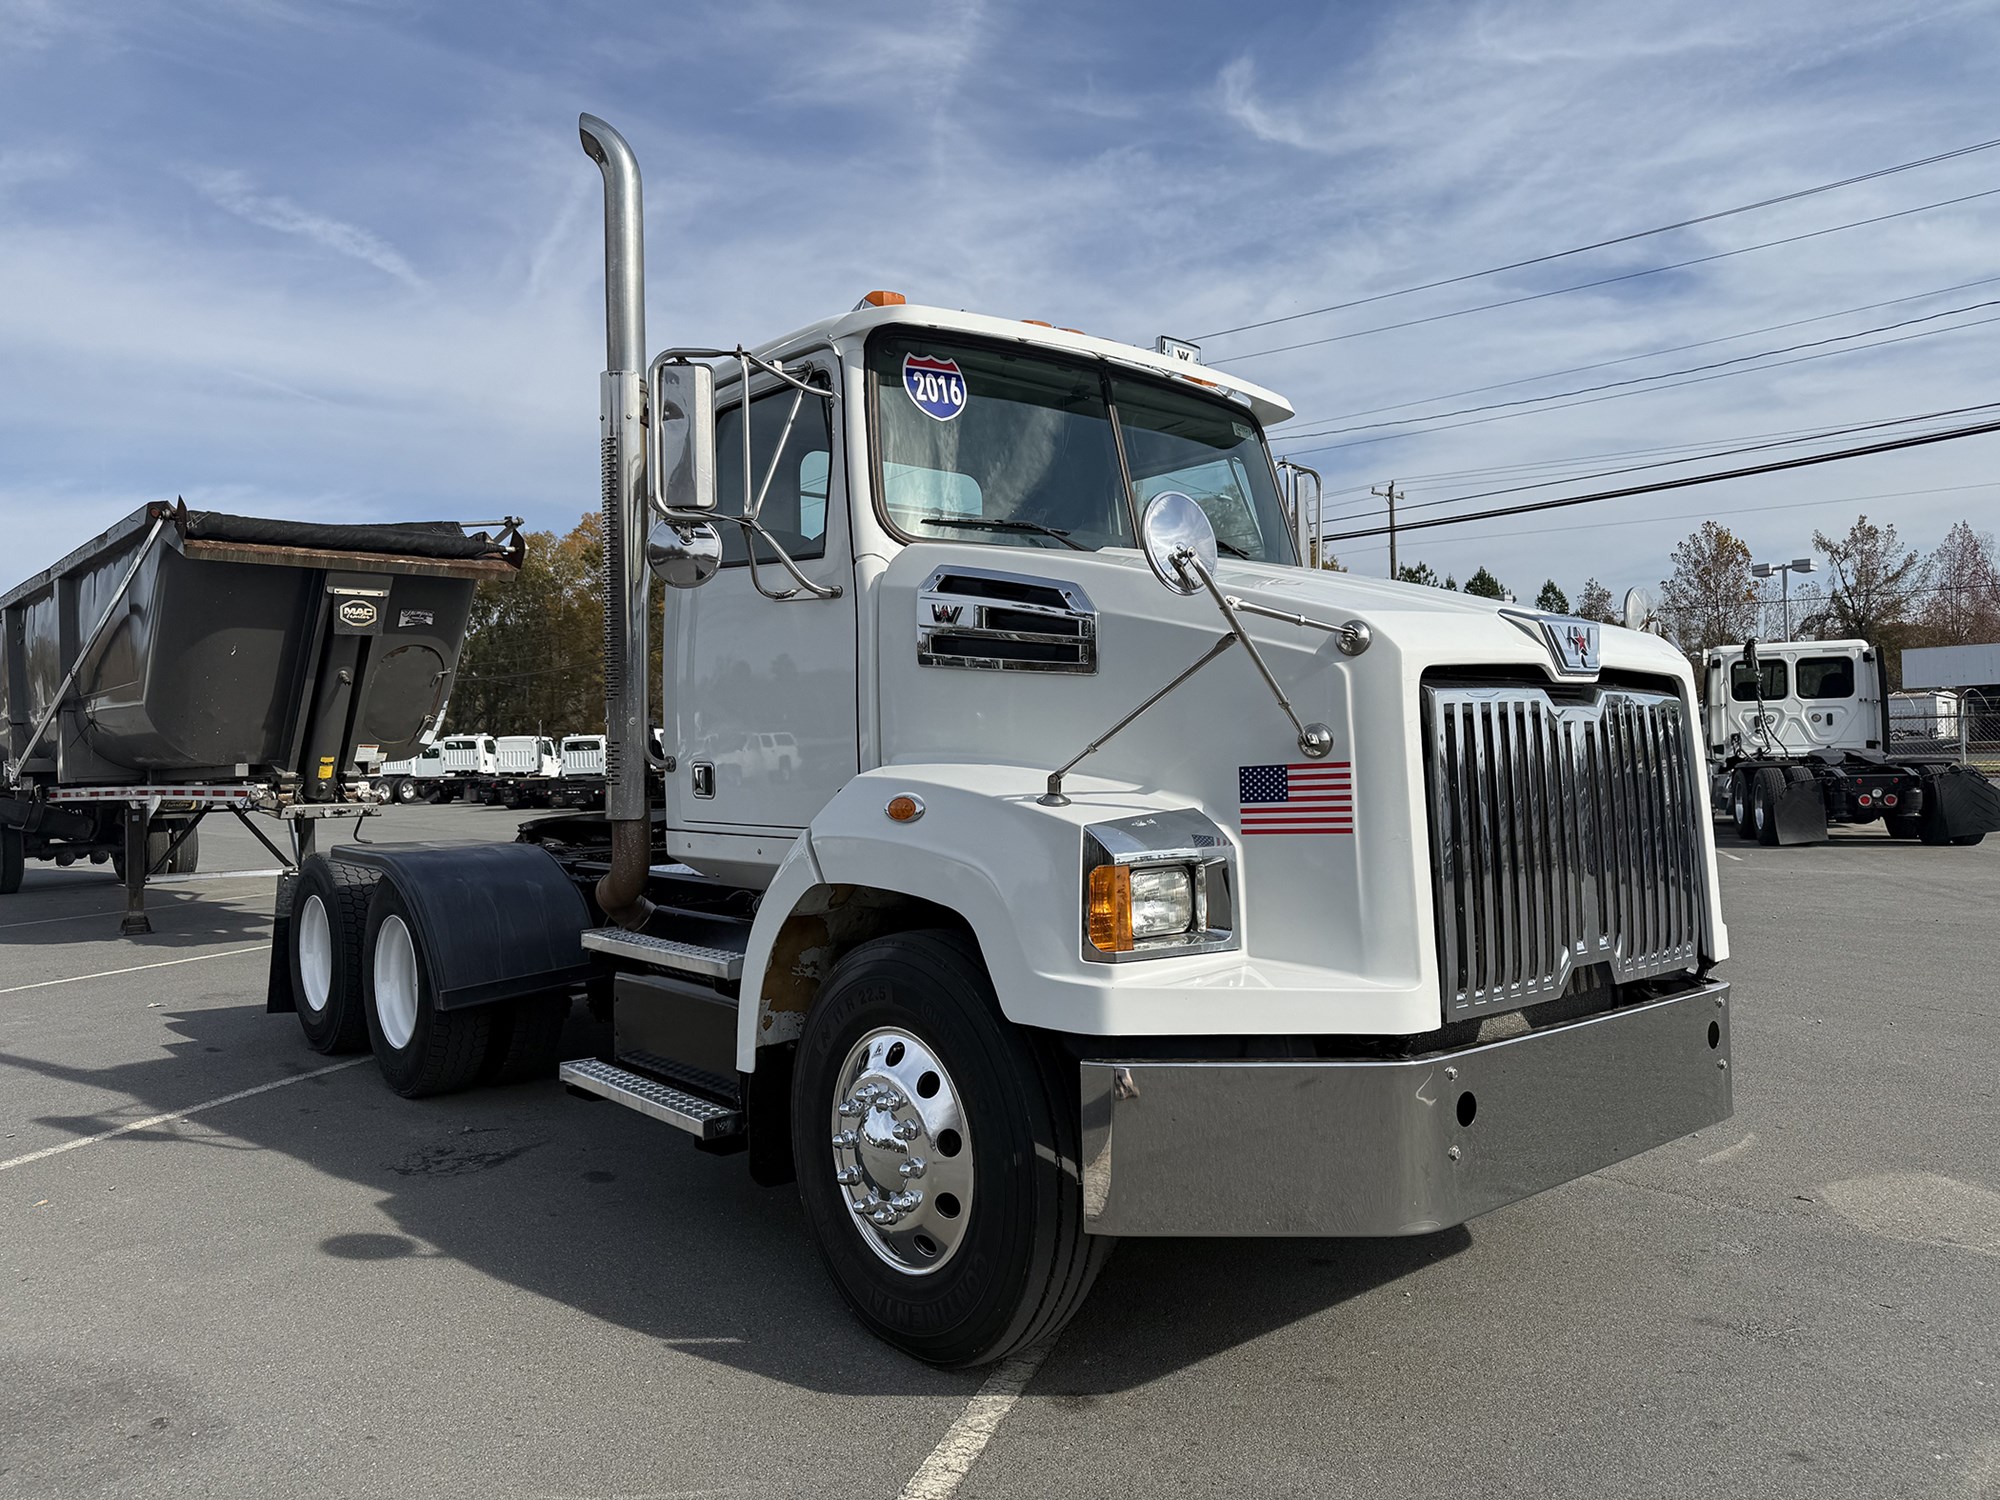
[(1961, 723)]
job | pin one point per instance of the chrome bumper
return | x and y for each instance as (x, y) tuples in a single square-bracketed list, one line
[(1335, 1147)]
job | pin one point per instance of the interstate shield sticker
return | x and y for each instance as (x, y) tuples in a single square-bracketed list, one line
[(935, 385)]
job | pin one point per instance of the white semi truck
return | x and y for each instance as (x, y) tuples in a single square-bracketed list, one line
[(1800, 736), (1108, 873)]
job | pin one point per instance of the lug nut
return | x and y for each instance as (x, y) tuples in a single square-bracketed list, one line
[(908, 1130), (845, 1141), (850, 1109), (847, 1176)]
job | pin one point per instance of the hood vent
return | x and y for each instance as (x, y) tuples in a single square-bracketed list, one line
[(1012, 622)]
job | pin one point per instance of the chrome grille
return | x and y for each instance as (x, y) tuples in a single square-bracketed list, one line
[(1564, 833)]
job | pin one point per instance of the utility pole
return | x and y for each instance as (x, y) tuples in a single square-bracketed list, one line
[(1392, 497)]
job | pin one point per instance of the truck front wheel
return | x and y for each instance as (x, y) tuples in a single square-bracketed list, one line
[(936, 1150)]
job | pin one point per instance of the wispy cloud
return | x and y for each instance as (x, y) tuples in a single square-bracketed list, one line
[(231, 192)]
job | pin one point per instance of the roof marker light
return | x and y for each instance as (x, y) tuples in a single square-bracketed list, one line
[(881, 299)]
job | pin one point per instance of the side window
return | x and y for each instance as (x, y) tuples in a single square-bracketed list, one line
[(1743, 682), (1826, 677), (794, 509)]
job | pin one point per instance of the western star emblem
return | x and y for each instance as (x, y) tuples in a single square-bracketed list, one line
[(945, 614), (1574, 643)]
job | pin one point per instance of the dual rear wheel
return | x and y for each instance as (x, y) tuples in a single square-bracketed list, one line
[(361, 978)]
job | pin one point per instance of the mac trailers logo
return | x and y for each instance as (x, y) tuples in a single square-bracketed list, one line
[(359, 613)]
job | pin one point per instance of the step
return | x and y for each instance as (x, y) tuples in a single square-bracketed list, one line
[(702, 1118), (666, 953)]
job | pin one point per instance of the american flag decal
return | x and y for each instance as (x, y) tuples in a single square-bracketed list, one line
[(1316, 797)]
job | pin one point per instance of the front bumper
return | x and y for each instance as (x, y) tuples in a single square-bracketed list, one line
[(1337, 1147)]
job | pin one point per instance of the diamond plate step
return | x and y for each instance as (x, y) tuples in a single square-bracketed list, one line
[(699, 1117), (666, 953)]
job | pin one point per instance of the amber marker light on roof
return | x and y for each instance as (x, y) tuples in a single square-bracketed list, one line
[(884, 299)]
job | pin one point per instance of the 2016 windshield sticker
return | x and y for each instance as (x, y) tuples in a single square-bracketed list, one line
[(935, 385)]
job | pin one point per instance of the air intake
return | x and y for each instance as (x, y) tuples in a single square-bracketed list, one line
[(970, 617)]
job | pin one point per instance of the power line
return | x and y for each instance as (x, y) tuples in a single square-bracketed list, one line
[(1627, 359), (1734, 359), (1714, 453), (1623, 239), (1648, 391), (1805, 461), (1584, 286)]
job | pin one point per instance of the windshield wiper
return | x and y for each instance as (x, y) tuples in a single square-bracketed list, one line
[(1231, 548), (977, 523)]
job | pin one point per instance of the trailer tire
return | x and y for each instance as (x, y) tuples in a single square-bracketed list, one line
[(1018, 1268), (329, 917), (1765, 791), (421, 1050), (187, 858), (13, 859), (526, 1043)]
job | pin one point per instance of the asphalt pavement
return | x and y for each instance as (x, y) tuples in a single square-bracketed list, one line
[(300, 1284)]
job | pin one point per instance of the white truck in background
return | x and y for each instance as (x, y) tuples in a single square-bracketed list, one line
[(527, 771), (1801, 736), (582, 779), (1034, 923)]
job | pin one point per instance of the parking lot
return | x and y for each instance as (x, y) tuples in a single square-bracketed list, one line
[(235, 1267)]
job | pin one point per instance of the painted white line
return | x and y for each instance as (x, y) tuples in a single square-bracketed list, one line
[(165, 963), (212, 875), (1729, 1153), (1727, 855), (938, 1477), (76, 917), (180, 1114)]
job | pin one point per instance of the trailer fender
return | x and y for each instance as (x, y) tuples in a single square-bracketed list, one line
[(497, 921)]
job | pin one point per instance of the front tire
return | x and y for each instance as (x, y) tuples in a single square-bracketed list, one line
[(421, 1050), (906, 1061)]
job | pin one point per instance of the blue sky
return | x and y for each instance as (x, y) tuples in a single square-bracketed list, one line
[(341, 258)]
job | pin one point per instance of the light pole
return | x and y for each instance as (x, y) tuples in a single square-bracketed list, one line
[(1785, 570)]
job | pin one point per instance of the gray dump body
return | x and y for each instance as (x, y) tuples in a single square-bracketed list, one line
[(241, 648)]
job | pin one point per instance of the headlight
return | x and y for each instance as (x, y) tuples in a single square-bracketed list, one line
[(1156, 885), (1128, 906)]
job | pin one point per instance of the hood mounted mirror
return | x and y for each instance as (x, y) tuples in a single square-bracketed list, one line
[(1175, 533), (683, 554)]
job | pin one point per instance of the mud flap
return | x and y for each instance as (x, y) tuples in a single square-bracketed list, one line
[(1801, 813), (1960, 802)]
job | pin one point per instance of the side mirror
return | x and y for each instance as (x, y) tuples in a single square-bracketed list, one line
[(680, 437), (1173, 528), (683, 555)]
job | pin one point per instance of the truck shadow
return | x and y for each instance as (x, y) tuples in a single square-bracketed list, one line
[(183, 916), (608, 1213)]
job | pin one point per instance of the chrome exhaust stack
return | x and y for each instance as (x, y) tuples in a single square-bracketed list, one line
[(621, 892)]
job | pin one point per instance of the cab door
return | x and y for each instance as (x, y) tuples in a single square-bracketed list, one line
[(761, 692)]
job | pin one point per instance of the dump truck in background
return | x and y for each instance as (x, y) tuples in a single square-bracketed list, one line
[(1801, 736), (1032, 923), (186, 660)]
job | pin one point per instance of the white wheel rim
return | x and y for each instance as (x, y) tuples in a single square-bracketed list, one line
[(902, 1156), (395, 983), (315, 954)]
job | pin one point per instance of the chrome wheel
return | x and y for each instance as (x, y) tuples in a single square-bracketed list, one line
[(900, 1151), (395, 983), (315, 954)]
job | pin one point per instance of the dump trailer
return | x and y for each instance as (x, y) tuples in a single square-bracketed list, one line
[(1099, 871), (1801, 736), (186, 660)]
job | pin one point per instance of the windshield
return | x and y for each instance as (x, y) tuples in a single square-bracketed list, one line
[(1017, 448)]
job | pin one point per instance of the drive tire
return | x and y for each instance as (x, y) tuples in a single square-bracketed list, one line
[(421, 1050), (157, 839), (526, 1041), (1740, 805), (1021, 1264), (406, 792), (13, 860), (1765, 791), (329, 917), (1903, 825), (187, 858)]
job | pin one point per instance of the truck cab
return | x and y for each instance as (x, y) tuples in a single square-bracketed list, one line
[(1043, 855), (1800, 698)]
